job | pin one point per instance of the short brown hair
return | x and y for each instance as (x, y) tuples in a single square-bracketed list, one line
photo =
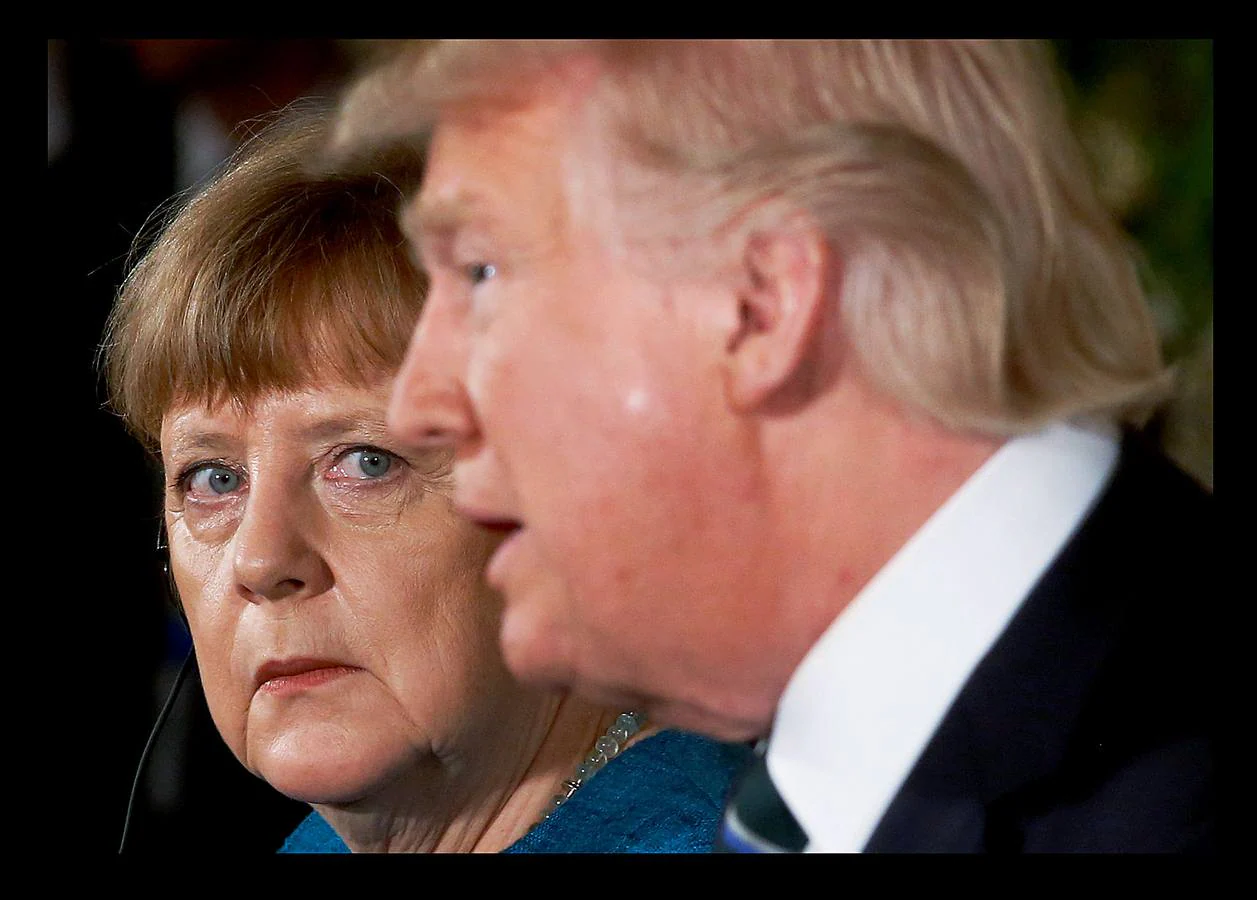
[(277, 275)]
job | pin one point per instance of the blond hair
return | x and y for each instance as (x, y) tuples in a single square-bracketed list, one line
[(274, 276), (984, 283)]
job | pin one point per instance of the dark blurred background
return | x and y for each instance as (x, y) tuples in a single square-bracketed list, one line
[(131, 123)]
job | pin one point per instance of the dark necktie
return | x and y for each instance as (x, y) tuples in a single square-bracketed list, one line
[(756, 819)]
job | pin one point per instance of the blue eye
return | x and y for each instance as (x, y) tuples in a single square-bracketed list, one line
[(481, 272), (213, 479), (368, 461)]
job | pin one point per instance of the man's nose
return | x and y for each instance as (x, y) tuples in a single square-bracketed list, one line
[(429, 406), (273, 557)]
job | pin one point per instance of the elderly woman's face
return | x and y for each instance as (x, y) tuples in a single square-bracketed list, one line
[(342, 629)]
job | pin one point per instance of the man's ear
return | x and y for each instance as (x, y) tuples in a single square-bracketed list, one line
[(781, 309)]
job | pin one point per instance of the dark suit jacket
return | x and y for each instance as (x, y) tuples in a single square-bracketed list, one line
[(1093, 724)]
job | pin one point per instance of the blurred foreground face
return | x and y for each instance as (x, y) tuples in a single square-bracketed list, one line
[(335, 600), (585, 402)]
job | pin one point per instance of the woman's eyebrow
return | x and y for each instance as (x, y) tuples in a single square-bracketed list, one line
[(187, 442), (366, 422), (363, 422)]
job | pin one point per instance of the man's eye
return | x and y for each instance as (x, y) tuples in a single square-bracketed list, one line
[(365, 462), (213, 480), (480, 272)]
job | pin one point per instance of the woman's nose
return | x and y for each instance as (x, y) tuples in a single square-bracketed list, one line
[(273, 555)]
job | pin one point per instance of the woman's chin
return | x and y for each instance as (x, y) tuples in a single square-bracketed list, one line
[(315, 770)]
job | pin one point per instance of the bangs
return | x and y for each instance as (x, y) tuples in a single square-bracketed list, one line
[(275, 277), (323, 322)]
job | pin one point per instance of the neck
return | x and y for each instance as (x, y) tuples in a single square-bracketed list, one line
[(468, 807), (884, 459)]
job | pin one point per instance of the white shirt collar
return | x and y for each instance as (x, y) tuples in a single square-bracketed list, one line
[(864, 702)]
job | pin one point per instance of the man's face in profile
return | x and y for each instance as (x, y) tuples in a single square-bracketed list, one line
[(584, 399)]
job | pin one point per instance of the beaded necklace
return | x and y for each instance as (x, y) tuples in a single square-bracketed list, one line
[(606, 748)]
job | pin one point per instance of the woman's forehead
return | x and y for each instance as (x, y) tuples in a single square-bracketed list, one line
[(317, 407)]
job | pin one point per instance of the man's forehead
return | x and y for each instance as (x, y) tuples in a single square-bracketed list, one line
[(482, 164), (460, 183)]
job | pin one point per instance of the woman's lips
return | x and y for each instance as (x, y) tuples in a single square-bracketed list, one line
[(288, 676)]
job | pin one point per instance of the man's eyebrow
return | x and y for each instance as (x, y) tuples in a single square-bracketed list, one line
[(428, 219)]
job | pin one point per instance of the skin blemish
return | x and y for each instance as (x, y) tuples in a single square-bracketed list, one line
[(636, 401)]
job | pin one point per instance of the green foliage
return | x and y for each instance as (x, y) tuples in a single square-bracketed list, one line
[(1144, 112)]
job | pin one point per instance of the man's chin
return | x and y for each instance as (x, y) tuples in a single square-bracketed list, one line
[(540, 657), (534, 654), (688, 717)]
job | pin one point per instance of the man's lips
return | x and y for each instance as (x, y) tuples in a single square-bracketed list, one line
[(284, 675), (489, 520), (504, 527), (495, 571)]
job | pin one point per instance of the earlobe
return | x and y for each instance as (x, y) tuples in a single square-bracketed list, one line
[(781, 309)]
